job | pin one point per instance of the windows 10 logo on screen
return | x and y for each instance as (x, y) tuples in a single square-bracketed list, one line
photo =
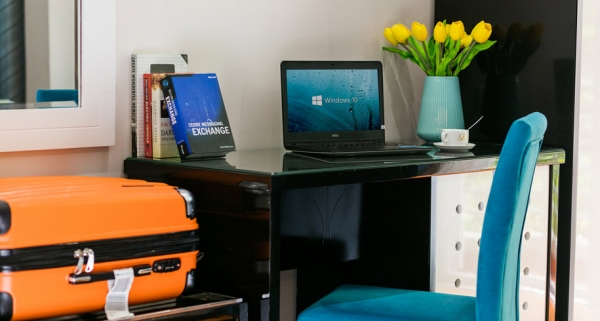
[(317, 100)]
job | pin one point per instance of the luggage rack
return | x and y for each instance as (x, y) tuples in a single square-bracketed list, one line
[(196, 306)]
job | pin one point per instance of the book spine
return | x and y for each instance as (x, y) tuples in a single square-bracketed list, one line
[(156, 127), (147, 115), (133, 111), (162, 132), (176, 121)]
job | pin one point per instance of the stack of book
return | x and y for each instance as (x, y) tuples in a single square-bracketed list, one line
[(176, 113), (159, 141)]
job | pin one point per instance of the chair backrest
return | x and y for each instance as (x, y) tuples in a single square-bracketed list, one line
[(500, 246), (49, 95)]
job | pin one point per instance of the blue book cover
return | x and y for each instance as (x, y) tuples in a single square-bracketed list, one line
[(198, 116)]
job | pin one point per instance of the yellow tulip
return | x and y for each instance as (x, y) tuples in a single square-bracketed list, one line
[(419, 31), (387, 33), (400, 32), (457, 30), (466, 41), (482, 31), (439, 32), (447, 28)]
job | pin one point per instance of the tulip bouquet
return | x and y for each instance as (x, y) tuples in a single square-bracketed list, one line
[(446, 53)]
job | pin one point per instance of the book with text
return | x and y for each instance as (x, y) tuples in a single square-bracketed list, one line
[(148, 115), (198, 116), (142, 64), (163, 141)]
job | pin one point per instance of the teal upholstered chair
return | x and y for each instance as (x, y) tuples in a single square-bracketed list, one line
[(50, 95), (497, 295)]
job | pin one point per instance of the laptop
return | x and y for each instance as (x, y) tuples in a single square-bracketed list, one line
[(335, 109)]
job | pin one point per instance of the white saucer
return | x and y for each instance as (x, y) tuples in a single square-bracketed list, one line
[(454, 148)]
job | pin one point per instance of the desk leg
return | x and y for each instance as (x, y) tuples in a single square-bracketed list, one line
[(275, 255), (552, 244)]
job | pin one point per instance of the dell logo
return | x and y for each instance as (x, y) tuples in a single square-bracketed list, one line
[(317, 100)]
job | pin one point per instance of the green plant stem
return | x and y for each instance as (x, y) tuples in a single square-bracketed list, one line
[(427, 55), (463, 58), (416, 53), (438, 61)]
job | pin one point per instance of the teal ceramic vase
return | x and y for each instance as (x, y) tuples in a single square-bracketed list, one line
[(441, 107)]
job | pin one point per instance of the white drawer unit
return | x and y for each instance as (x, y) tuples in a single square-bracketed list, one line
[(458, 208)]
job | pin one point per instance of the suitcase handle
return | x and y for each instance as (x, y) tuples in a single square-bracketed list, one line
[(138, 270)]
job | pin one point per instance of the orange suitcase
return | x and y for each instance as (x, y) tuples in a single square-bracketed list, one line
[(61, 238)]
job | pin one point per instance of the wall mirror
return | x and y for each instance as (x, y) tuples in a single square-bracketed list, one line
[(85, 61), (39, 51)]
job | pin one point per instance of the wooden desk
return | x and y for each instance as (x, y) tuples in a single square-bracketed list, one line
[(356, 220)]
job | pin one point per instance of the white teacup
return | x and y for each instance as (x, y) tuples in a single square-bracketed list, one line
[(455, 137)]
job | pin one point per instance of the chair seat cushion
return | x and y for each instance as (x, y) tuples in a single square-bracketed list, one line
[(358, 302)]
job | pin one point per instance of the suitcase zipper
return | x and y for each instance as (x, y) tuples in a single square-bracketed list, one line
[(62, 255), (80, 255), (89, 267)]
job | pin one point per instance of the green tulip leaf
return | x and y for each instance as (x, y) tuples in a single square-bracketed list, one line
[(392, 49), (474, 51), (448, 58), (438, 57), (431, 48), (449, 43), (460, 58), (417, 50), (408, 55), (419, 61), (484, 46), (402, 53)]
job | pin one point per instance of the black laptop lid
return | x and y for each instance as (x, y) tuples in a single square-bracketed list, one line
[(330, 101)]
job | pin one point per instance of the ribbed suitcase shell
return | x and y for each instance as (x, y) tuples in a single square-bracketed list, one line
[(56, 213)]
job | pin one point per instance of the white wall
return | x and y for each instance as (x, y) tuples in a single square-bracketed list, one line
[(587, 172), (244, 42)]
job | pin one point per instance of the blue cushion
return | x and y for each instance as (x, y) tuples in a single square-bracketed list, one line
[(359, 302)]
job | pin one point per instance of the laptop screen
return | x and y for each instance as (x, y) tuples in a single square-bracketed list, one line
[(332, 101)]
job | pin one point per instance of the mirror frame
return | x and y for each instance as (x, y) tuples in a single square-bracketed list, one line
[(92, 124)]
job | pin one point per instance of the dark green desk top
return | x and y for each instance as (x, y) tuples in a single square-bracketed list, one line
[(285, 167)]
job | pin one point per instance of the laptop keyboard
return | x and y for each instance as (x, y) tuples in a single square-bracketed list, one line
[(340, 146)]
